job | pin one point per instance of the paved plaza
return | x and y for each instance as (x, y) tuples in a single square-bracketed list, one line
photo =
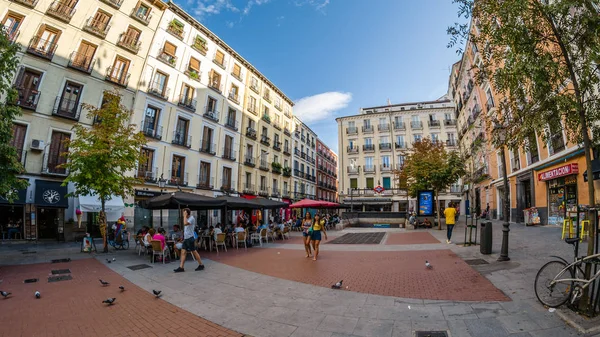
[(276, 291)]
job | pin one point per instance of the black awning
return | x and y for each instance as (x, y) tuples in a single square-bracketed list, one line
[(595, 170), (21, 198), (178, 200), (50, 194), (238, 203)]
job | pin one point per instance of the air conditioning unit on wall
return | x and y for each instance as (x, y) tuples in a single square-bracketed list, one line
[(37, 145)]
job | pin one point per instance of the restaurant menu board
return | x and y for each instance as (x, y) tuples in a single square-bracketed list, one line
[(425, 203)]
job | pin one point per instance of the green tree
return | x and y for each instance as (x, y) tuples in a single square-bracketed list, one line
[(10, 166), (428, 166), (542, 58), (100, 156)]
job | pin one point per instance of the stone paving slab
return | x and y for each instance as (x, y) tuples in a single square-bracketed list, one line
[(359, 239), (416, 238)]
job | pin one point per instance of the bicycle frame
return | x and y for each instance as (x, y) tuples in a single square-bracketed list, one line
[(576, 264)]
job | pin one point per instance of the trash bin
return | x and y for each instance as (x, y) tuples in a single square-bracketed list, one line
[(485, 239)]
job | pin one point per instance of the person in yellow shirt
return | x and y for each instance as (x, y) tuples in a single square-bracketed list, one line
[(450, 214), (318, 226)]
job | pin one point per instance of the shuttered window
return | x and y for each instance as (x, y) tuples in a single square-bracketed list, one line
[(194, 64), (170, 48)]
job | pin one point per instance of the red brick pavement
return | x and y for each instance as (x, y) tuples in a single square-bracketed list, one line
[(410, 238), (74, 308), (400, 274)]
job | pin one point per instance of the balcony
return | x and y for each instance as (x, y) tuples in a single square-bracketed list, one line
[(400, 145), (237, 76), (385, 168), (287, 172), (252, 108), (159, 91), (28, 98), (287, 131), (187, 103), (149, 129), (275, 192), (141, 15), (146, 175), (399, 126), (205, 182), (42, 48), (368, 148), (52, 166), (298, 173), (265, 140), (416, 125), (278, 106), (263, 191), (455, 189), (95, 27), (229, 154), (385, 146), (263, 164), (276, 125), (276, 168), (221, 63), (211, 114), (61, 10), (181, 139), (233, 96), (206, 146), (117, 76), (167, 59), (66, 108), (200, 45), (27, 3), (129, 43), (266, 118), (254, 87), (369, 169), (449, 122), (383, 127), (249, 189), (489, 104), (215, 84), (285, 194), (303, 138), (267, 98), (303, 155), (434, 123), (249, 160), (175, 29), (113, 3), (231, 123), (277, 146), (351, 149), (296, 151), (352, 170), (367, 129), (179, 180), (251, 133), (81, 62), (286, 150), (227, 186), (451, 142)]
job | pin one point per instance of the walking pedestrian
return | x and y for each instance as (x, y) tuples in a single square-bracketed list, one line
[(317, 227), (306, 225), (189, 240), (450, 214)]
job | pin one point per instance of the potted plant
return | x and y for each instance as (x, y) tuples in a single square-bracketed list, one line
[(194, 75), (176, 27)]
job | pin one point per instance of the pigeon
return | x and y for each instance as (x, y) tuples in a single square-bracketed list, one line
[(109, 301), (337, 285), (156, 293), (107, 261), (114, 259), (122, 288), (5, 294), (37, 294), (428, 265), (104, 283)]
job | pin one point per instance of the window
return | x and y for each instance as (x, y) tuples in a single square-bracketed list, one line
[(145, 166), (417, 138), (18, 139), (207, 140), (384, 140), (118, 72), (187, 96), (151, 118), (532, 149), (233, 93), (142, 12), (220, 58), (178, 171), (194, 66), (68, 105), (237, 71), (226, 183), (435, 137), (400, 160), (490, 99), (27, 84), (451, 137), (447, 116), (415, 118), (99, 22), (400, 141), (369, 183), (249, 151), (263, 183), (515, 162), (369, 141), (168, 53), (557, 142), (251, 123), (181, 131), (58, 147), (387, 183), (211, 106), (83, 57), (45, 42), (385, 161), (159, 84), (252, 104), (432, 117), (130, 39), (231, 114), (228, 150), (214, 80), (11, 24), (204, 175), (267, 95), (367, 123), (248, 179), (369, 162)]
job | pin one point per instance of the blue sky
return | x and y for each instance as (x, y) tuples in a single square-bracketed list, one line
[(334, 56)]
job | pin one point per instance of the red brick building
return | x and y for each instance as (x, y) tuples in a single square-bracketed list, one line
[(327, 183)]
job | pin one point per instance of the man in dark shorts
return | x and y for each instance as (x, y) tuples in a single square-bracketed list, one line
[(189, 240)]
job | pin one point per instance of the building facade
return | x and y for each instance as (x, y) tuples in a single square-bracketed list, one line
[(373, 145), (305, 176), (327, 168), (72, 53)]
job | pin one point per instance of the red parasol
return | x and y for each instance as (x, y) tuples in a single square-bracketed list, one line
[(308, 203)]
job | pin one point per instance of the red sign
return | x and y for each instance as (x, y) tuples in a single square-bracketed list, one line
[(559, 172), (379, 189)]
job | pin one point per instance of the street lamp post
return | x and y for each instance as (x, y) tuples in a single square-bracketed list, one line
[(161, 185), (505, 225)]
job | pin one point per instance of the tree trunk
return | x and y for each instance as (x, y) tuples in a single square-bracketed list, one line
[(438, 210), (103, 225)]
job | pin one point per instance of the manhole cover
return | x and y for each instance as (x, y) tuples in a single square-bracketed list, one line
[(61, 271), (33, 252), (431, 334), (61, 260), (59, 278), (30, 280), (476, 262), (359, 238), (139, 266)]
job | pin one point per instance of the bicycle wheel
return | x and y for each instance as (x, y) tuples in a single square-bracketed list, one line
[(557, 294), (125, 244)]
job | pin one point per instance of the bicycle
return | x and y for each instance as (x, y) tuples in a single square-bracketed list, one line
[(554, 287)]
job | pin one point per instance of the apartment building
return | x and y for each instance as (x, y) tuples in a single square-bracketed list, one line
[(327, 183), (374, 143), (546, 175), (71, 53), (305, 176)]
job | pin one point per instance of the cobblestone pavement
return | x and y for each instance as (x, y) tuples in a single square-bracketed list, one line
[(74, 307)]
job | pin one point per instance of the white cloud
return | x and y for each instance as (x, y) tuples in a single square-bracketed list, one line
[(252, 3), (321, 106), (229, 24), (319, 5), (203, 8), (279, 20)]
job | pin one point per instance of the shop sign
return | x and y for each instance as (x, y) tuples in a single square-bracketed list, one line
[(147, 194), (559, 172), (378, 189), (50, 194)]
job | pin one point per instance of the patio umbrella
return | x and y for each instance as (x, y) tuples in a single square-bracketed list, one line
[(308, 203), (179, 200), (269, 204), (238, 203)]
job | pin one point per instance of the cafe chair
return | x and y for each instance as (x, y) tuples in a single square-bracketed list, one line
[(158, 251), (220, 242), (241, 238), (286, 232), (263, 236)]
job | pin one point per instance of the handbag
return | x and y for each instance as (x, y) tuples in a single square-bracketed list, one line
[(310, 230)]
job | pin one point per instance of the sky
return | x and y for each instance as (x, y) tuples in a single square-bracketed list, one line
[(332, 57)]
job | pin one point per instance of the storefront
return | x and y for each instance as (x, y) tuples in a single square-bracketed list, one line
[(12, 215), (142, 216), (561, 183), (48, 218)]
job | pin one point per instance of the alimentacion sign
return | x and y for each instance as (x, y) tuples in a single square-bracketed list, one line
[(558, 172)]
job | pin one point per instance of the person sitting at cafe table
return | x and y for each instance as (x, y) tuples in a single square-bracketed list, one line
[(239, 228), (160, 236), (176, 234), (216, 231)]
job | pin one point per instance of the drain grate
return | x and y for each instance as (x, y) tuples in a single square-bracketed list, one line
[(61, 260), (476, 262), (59, 278), (28, 252), (61, 271), (431, 334), (359, 238), (30, 280), (139, 266)]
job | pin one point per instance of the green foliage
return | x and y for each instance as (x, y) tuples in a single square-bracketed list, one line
[(9, 160)]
